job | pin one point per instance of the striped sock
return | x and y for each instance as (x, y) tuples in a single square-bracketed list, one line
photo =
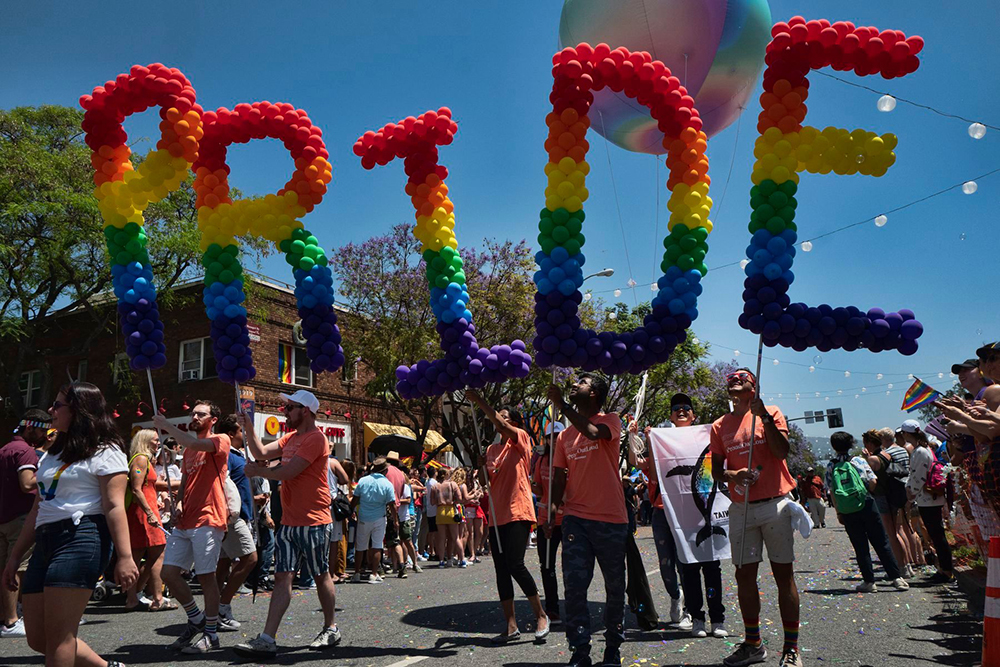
[(193, 613), (791, 635), (211, 626), (752, 631)]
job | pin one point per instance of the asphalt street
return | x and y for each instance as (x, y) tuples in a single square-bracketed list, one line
[(447, 617)]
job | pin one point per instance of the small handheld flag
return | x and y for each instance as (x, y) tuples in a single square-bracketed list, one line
[(919, 395)]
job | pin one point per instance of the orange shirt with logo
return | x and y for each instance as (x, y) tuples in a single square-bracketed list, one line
[(541, 477), (507, 464), (204, 491), (731, 438), (593, 483), (305, 498)]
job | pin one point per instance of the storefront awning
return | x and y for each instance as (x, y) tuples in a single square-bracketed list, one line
[(431, 442)]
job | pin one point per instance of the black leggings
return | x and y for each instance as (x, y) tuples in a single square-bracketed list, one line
[(549, 580), (510, 564), (934, 523)]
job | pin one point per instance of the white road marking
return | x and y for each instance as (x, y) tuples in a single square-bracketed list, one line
[(651, 572)]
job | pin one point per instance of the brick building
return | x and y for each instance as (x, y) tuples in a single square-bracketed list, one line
[(189, 374)]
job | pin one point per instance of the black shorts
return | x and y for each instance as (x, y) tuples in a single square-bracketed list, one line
[(432, 524)]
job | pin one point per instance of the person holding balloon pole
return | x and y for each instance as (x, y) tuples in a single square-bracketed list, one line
[(756, 470), (507, 464), (587, 485)]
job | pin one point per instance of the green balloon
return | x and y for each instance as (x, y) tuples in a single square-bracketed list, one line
[(700, 233), (689, 242), (778, 199), (226, 259), (560, 235), (123, 258), (572, 246), (546, 226), (787, 213), (789, 188), (581, 239), (546, 243), (312, 240), (441, 281), (702, 268), (322, 260), (767, 187), (226, 276), (764, 212), (306, 263), (132, 228), (775, 225), (560, 216), (665, 266), (680, 230), (574, 226), (686, 262), (448, 253), (580, 215), (438, 263), (698, 255), (545, 213), (673, 252), (457, 263), (458, 277)]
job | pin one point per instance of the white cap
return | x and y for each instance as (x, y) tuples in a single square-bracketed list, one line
[(910, 426), (558, 426), (303, 397)]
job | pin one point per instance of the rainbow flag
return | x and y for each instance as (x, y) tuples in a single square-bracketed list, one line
[(285, 363), (918, 395)]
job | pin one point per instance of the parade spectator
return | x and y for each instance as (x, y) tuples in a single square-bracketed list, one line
[(508, 470), (812, 493), (435, 538), (587, 485), (144, 527), (760, 502), (928, 497), (417, 479), (407, 523), (238, 544), (393, 539), (260, 576), (339, 481), (850, 479), (304, 534), (170, 475), (891, 465), (472, 535), (18, 465), (374, 499), (450, 500), (77, 516)]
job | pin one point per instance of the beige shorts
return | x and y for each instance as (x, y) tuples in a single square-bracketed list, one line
[(9, 532), (238, 541), (768, 523)]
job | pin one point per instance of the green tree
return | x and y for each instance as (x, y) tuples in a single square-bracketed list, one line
[(52, 249)]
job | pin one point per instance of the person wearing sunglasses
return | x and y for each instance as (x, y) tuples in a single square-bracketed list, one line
[(78, 514), (195, 543), (760, 501), (305, 531)]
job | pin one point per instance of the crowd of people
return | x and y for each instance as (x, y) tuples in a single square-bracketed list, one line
[(213, 504)]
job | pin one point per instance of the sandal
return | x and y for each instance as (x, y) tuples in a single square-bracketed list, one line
[(166, 605), (506, 638)]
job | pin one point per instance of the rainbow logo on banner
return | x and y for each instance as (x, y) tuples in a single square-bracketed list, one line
[(919, 395)]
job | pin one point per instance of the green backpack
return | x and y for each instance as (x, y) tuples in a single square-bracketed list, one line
[(849, 492)]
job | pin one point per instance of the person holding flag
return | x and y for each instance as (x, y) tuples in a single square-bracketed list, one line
[(760, 514), (507, 464)]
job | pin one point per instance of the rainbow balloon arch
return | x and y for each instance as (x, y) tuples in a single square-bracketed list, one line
[(195, 140)]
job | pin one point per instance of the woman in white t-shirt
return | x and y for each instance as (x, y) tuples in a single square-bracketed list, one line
[(79, 513)]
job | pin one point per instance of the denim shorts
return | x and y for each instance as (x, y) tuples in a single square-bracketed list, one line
[(68, 555)]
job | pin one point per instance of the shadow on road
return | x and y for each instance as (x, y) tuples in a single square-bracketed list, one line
[(957, 633)]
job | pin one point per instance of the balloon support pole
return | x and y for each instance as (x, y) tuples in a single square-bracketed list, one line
[(249, 456), (486, 481), (549, 519), (163, 453), (753, 436)]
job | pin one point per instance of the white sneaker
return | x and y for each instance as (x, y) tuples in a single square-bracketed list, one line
[(719, 630), (375, 579), (686, 622), (867, 587), (16, 630), (698, 629), (420, 557), (676, 608), (910, 574), (900, 584)]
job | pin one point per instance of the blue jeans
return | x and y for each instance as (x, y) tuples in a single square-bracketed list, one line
[(418, 516), (666, 551), (583, 542)]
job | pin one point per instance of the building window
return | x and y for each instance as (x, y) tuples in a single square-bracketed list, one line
[(196, 360), (81, 371), (293, 365), (349, 371), (31, 388)]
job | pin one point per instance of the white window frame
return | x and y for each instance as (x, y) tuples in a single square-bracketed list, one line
[(203, 373), (296, 350), (82, 367), (31, 387)]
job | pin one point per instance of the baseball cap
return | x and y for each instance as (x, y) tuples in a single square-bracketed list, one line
[(910, 426), (303, 397), (991, 348), (968, 364), (559, 427), (680, 399)]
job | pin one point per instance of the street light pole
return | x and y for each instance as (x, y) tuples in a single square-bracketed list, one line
[(604, 273)]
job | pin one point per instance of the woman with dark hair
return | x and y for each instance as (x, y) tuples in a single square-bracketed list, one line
[(507, 464), (78, 514)]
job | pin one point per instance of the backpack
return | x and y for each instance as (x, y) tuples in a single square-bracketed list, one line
[(898, 465), (849, 492), (936, 482)]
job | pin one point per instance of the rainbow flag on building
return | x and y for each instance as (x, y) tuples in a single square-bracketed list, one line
[(285, 363), (919, 395)]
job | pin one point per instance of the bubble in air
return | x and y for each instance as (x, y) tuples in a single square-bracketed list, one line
[(817, 360)]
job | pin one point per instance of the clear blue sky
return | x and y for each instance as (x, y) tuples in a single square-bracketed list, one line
[(357, 66)]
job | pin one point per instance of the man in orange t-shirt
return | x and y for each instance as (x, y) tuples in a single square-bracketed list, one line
[(760, 502), (196, 540), (513, 514), (587, 484), (304, 534)]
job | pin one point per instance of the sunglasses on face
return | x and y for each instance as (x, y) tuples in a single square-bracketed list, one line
[(291, 407), (739, 375), (59, 404), (679, 408)]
